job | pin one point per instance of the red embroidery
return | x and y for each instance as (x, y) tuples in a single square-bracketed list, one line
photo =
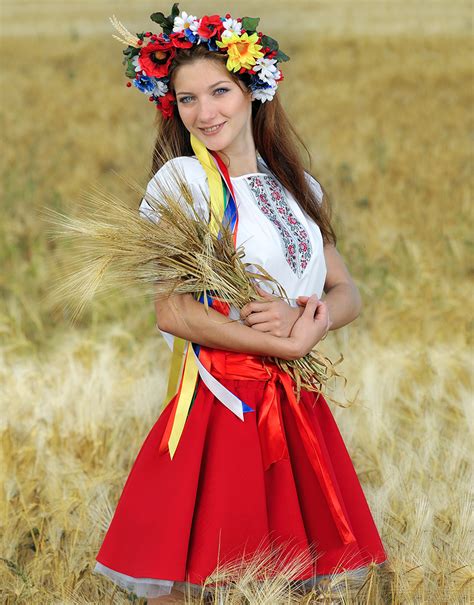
[(271, 200)]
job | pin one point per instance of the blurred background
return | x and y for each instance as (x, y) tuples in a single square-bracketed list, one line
[(382, 95)]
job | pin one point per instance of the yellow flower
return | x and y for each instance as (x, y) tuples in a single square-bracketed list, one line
[(242, 51)]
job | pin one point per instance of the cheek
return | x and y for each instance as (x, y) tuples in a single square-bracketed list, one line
[(185, 114), (239, 107)]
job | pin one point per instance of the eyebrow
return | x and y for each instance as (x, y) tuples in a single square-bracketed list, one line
[(211, 86)]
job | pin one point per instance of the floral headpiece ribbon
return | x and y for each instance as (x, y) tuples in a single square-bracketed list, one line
[(148, 56)]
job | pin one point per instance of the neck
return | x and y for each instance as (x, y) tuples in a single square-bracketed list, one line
[(240, 159)]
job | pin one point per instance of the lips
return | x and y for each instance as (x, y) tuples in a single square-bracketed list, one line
[(213, 131)]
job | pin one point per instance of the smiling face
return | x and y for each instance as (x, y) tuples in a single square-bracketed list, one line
[(207, 96)]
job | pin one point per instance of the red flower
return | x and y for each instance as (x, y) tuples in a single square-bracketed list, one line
[(166, 104), (155, 58), (210, 26), (180, 41)]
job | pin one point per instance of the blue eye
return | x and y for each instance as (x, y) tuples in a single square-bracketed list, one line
[(182, 100)]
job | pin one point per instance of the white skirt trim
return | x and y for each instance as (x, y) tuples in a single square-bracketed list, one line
[(144, 587), (152, 587)]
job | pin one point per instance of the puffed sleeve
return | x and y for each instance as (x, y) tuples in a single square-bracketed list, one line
[(315, 186), (164, 181)]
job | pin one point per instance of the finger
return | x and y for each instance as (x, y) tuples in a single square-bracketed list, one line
[(265, 294), (302, 300), (253, 307), (263, 327), (322, 310), (322, 316), (311, 306), (243, 312), (258, 318)]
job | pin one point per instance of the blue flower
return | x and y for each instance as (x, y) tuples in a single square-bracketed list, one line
[(145, 84), (191, 36), (257, 84), (211, 44)]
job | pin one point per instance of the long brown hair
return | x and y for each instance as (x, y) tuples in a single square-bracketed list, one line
[(274, 136)]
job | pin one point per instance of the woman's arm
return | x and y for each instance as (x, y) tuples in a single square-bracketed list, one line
[(187, 318), (342, 299), (342, 295)]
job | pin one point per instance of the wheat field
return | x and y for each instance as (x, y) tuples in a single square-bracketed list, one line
[(382, 94)]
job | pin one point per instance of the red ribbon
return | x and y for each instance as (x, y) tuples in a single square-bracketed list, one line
[(241, 366)]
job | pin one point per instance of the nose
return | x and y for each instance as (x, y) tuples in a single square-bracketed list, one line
[(207, 113)]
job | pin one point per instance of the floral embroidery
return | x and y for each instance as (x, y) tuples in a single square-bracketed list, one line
[(271, 200)]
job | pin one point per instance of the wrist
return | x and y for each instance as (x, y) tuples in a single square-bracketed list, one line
[(327, 330), (288, 349)]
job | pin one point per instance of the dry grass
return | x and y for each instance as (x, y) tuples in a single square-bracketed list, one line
[(387, 115)]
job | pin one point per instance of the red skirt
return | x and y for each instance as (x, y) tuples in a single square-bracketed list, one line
[(218, 499)]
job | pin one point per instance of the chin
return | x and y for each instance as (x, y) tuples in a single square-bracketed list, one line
[(215, 145)]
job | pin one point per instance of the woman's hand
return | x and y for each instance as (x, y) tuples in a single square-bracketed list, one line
[(302, 300), (310, 328), (273, 315)]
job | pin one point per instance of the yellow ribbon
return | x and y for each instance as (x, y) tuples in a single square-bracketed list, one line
[(189, 372), (214, 180), (175, 369)]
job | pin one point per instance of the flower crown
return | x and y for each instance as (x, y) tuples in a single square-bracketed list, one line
[(248, 51)]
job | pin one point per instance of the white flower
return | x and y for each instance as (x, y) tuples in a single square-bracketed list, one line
[(231, 26), (263, 94), (137, 65), (267, 69), (160, 89), (185, 22)]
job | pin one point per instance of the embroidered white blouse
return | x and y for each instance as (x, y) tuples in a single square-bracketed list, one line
[(273, 230)]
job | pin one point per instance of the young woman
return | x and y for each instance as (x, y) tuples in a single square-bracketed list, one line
[(228, 490)]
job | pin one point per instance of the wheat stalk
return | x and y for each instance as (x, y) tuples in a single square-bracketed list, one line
[(127, 38)]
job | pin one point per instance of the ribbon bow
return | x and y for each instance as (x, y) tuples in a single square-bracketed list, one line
[(240, 366)]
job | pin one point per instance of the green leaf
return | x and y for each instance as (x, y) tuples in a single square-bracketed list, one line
[(281, 56), (270, 42), (131, 51), (163, 21), (175, 10), (167, 23), (158, 18), (130, 71), (250, 24)]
